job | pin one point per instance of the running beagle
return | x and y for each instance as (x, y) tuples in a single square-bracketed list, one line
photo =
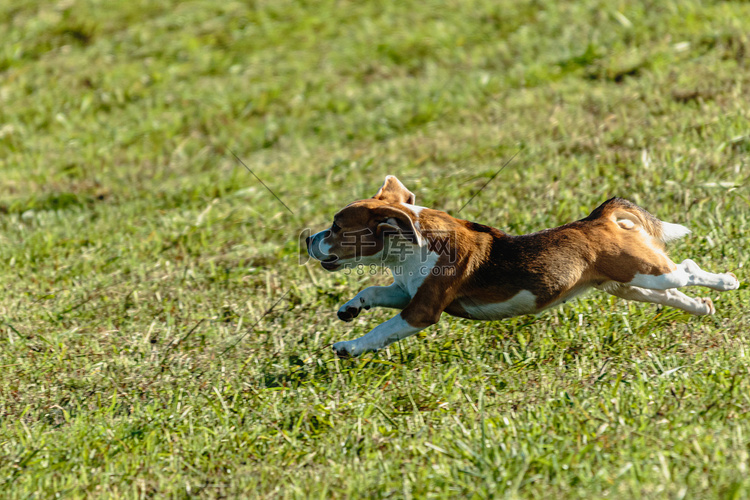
[(442, 264)]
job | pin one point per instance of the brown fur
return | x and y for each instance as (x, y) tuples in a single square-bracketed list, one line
[(492, 266), (443, 264)]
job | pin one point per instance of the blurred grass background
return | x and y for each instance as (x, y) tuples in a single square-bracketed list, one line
[(141, 260)]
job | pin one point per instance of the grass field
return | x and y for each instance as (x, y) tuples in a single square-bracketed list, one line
[(160, 339)]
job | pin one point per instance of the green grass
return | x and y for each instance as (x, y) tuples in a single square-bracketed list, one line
[(159, 338)]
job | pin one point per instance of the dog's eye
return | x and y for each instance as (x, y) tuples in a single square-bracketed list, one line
[(335, 228)]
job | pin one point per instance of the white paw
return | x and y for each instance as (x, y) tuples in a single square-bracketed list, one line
[(348, 312), (709, 304), (734, 284), (346, 349)]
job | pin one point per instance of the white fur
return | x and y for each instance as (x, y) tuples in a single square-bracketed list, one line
[(669, 297), (381, 336), (410, 273), (415, 209), (524, 302), (379, 296), (688, 273)]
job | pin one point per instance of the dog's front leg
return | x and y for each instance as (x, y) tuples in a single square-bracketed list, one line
[(422, 311), (375, 296), (384, 334)]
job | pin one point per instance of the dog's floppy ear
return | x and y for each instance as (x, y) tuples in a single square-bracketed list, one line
[(393, 191), (392, 220)]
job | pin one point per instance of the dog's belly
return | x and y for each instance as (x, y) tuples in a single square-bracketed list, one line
[(524, 302)]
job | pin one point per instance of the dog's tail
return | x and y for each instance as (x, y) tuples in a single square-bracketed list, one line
[(630, 217)]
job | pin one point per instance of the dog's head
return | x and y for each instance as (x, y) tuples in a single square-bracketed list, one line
[(363, 232)]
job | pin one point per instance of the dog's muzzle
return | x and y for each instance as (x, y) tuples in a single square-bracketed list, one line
[(314, 249)]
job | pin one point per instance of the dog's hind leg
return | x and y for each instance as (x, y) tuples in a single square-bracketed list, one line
[(687, 273), (669, 297)]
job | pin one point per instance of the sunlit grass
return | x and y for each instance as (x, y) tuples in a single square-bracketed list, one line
[(159, 337)]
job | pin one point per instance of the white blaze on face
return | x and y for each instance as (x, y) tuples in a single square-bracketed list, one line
[(415, 209)]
